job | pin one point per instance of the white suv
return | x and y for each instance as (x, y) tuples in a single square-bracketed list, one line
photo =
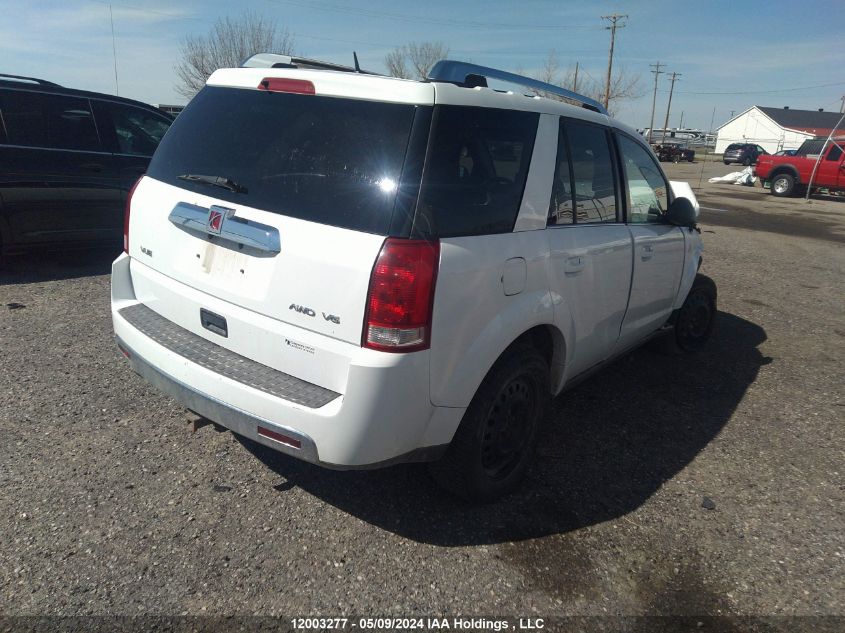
[(358, 270)]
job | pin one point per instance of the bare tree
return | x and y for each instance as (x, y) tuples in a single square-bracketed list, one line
[(415, 59), (396, 64), (623, 86), (228, 44)]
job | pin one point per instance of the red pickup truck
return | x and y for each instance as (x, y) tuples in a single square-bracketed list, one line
[(789, 175)]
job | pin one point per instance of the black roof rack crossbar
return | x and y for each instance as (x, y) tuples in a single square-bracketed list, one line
[(272, 60), (32, 79), (463, 73)]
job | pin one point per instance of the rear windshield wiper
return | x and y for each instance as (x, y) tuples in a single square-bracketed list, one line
[(215, 181)]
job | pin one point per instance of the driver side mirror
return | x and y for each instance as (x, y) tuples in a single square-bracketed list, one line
[(681, 213)]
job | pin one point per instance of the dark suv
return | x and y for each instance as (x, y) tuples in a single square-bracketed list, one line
[(67, 161), (742, 153)]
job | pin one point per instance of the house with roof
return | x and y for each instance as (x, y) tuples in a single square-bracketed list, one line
[(775, 129)]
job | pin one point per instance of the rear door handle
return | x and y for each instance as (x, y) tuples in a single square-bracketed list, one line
[(214, 322), (647, 252), (575, 265)]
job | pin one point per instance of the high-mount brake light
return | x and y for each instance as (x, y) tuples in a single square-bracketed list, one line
[(282, 84), (126, 212), (401, 296)]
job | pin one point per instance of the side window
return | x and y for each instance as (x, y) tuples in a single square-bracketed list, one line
[(562, 203), (593, 175), (647, 189), (476, 170), (36, 119), (835, 153), (133, 130)]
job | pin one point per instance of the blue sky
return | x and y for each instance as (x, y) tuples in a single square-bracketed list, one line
[(769, 53)]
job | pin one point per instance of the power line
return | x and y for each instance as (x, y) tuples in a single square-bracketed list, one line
[(405, 17), (172, 16), (760, 92), (613, 19)]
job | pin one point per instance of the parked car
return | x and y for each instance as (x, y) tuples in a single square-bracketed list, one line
[(790, 175), (743, 153), (673, 153), (403, 271), (786, 152), (67, 160)]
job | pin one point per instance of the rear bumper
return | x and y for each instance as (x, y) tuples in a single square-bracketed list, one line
[(243, 423), (384, 415), (281, 438)]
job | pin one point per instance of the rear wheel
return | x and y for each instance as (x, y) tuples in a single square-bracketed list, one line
[(783, 185), (697, 316), (495, 441), (746, 162)]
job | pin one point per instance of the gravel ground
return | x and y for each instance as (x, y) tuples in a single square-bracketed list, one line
[(666, 485)]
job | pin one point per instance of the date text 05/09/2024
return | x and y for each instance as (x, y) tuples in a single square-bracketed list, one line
[(398, 624)]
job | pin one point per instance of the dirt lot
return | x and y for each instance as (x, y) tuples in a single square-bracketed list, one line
[(110, 506)]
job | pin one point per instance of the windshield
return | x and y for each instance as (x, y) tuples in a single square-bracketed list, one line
[(324, 159)]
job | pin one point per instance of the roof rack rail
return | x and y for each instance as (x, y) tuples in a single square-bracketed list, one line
[(272, 60), (472, 75), (41, 82)]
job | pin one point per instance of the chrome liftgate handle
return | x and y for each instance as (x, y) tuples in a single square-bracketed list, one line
[(195, 219)]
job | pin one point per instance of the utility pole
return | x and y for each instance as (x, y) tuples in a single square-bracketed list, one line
[(681, 124), (613, 19), (673, 79), (656, 72), (575, 80), (842, 107)]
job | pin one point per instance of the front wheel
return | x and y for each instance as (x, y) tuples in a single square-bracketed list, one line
[(495, 441), (697, 317), (783, 185)]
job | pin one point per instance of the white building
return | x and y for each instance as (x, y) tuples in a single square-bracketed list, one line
[(775, 129)]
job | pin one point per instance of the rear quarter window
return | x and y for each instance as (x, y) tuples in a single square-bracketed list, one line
[(475, 171)]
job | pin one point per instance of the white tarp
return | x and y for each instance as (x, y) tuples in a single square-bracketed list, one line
[(744, 177)]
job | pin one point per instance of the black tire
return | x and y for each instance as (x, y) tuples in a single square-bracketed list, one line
[(727, 162), (495, 442), (782, 185), (746, 162), (697, 317)]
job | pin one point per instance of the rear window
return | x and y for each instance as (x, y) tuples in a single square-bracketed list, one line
[(811, 147), (324, 159), (733, 147), (475, 171)]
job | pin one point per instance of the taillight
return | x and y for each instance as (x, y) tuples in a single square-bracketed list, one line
[(399, 302), (126, 213), (281, 84)]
